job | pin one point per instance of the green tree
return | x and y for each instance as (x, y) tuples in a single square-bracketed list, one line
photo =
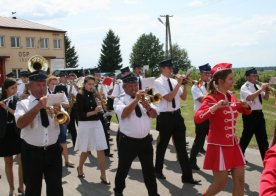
[(180, 58), (71, 56), (147, 51), (110, 59)]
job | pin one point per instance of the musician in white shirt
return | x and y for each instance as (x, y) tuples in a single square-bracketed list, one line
[(134, 138), (41, 153), (199, 91), (255, 122)]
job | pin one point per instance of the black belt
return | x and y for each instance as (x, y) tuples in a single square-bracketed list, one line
[(172, 112), (50, 147), (257, 111), (123, 136)]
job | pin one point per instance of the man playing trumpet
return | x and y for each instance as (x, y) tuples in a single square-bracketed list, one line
[(41, 153), (133, 139), (171, 123), (255, 122)]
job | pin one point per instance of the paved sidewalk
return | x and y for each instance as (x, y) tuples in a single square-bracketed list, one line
[(73, 186)]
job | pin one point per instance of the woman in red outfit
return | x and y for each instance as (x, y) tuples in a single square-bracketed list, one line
[(223, 151)]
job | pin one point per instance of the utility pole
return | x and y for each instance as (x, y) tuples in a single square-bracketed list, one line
[(168, 42)]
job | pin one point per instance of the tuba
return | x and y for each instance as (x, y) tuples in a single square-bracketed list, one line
[(37, 62)]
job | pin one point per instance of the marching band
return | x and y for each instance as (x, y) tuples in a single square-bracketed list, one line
[(38, 140)]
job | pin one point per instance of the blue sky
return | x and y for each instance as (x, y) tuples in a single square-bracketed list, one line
[(213, 31)]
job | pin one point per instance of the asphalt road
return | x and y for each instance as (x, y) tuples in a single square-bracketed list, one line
[(91, 184)]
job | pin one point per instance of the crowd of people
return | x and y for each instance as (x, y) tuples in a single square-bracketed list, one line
[(31, 129)]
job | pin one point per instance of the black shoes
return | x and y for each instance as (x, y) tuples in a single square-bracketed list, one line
[(195, 166), (80, 175), (109, 155), (192, 181), (160, 175), (106, 182), (202, 151)]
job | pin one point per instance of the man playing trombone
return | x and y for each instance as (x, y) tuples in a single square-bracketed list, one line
[(255, 122)]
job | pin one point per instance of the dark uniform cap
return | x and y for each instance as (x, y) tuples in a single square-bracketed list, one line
[(125, 69), (10, 75), (136, 65), (166, 63), (24, 74), (38, 75), (130, 78), (96, 70), (62, 74), (251, 70), (205, 68)]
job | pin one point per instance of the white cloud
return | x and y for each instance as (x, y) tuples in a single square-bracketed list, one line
[(49, 8), (196, 3)]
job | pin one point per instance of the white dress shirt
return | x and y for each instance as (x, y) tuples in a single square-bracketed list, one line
[(35, 134), (198, 91), (73, 91), (161, 86), (118, 90), (132, 126), (20, 87), (248, 89)]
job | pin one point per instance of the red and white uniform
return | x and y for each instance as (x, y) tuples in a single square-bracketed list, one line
[(268, 178), (223, 151)]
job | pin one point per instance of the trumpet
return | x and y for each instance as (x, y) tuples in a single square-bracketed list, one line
[(156, 98), (270, 88), (59, 116)]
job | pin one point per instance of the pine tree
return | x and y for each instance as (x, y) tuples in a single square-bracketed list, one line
[(71, 56), (110, 59)]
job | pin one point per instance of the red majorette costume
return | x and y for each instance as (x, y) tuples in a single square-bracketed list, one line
[(223, 150)]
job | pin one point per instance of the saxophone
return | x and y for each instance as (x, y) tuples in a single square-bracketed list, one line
[(71, 99)]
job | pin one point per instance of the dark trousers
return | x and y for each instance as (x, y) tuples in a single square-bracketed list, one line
[(128, 150), (37, 162), (72, 125), (201, 131), (172, 125), (254, 124)]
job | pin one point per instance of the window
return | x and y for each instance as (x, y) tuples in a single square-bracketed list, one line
[(57, 43), (1, 41), (16, 72), (43, 42), (15, 42), (29, 42)]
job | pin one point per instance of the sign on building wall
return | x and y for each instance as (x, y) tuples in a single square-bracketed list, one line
[(57, 64)]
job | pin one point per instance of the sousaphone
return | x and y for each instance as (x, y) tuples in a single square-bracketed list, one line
[(37, 62)]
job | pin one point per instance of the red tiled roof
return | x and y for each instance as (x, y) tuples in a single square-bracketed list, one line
[(18, 23)]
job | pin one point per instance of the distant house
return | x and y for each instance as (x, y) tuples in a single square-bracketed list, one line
[(21, 39)]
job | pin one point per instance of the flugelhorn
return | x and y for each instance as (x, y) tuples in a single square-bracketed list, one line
[(156, 98), (59, 116)]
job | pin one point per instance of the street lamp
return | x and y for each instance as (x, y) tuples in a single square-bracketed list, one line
[(168, 34)]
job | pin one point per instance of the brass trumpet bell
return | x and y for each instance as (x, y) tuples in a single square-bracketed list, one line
[(62, 118), (156, 98), (59, 116), (37, 62)]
